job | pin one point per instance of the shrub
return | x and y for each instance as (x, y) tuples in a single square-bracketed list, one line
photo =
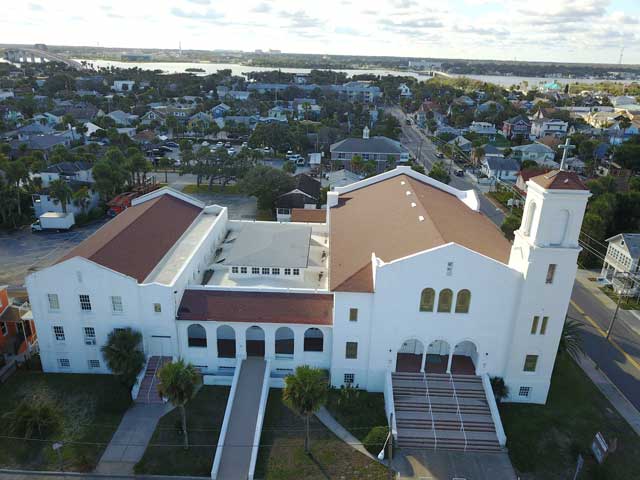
[(500, 389), (38, 414), (375, 439), (349, 396)]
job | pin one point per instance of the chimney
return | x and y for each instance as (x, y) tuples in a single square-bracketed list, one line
[(365, 132)]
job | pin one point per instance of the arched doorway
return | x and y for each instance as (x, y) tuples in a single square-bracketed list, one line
[(284, 343), (226, 341), (437, 357), (465, 358), (255, 342), (410, 354)]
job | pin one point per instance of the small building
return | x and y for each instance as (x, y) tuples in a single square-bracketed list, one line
[(306, 194), (123, 85), (405, 91), (505, 169), (623, 261), (536, 152)]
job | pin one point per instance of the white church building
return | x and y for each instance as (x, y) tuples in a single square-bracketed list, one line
[(405, 276)]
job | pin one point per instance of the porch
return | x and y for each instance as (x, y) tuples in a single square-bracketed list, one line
[(437, 358)]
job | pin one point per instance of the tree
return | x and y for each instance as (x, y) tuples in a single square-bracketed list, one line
[(289, 167), (38, 413), (61, 193), (16, 172), (179, 383), (305, 392), (267, 184), (124, 355), (81, 198), (510, 225), (165, 163), (570, 341), (439, 172), (357, 163)]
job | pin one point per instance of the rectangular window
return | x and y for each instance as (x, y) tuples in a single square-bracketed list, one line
[(243, 269), (94, 364), (534, 325), (116, 304), (275, 271), (296, 271), (234, 269), (287, 271), (524, 391), (449, 269), (58, 331), (530, 363), (85, 303), (54, 302), (89, 336), (543, 327), (353, 314), (351, 350), (265, 271), (157, 308), (3, 329), (551, 271), (255, 270), (64, 363), (349, 378)]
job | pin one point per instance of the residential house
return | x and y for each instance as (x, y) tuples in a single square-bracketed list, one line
[(81, 112), (200, 120), (358, 91), (35, 128), (18, 337), (405, 91), (220, 110), (279, 113), (622, 263), (489, 107), (542, 126), (122, 118), (305, 195), (381, 150), (77, 175), (45, 143), (505, 169), (340, 178), (516, 126), (461, 143), (464, 101), (5, 93), (483, 128), (623, 100), (540, 153), (123, 85)]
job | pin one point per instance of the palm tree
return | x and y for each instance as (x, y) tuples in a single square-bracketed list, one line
[(61, 192), (179, 383), (305, 392), (164, 163), (124, 356), (81, 198), (570, 341)]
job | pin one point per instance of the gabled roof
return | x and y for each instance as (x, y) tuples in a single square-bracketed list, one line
[(137, 239), (308, 185), (379, 218), (368, 145), (560, 180), (67, 168), (631, 242), (518, 118), (500, 163), (256, 307)]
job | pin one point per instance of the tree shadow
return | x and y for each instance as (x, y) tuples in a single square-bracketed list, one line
[(320, 467)]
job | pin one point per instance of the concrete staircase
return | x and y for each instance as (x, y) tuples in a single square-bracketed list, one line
[(443, 412), (148, 392)]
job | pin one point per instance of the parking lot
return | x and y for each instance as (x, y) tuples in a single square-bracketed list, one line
[(23, 251)]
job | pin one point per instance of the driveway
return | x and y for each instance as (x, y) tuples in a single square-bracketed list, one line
[(22, 251)]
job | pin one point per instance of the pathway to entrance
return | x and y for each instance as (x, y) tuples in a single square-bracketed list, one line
[(238, 442)]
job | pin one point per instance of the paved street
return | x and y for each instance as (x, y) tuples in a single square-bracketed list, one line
[(425, 152)]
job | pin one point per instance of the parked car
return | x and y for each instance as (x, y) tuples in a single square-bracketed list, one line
[(440, 155), (459, 172), (172, 145)]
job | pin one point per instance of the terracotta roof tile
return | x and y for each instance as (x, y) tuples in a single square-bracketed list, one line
[(380, 218), (308, 215), (256, 307), (136, 240), (560, 180)]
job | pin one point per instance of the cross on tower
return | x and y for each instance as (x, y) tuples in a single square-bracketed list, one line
[(566, 148)]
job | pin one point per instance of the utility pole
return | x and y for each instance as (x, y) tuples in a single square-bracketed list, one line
[(615, 313)]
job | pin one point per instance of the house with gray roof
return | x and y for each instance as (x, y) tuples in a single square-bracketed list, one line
[(122, 118), (622, 263), (381, 150), (537, 152), (505, 169)]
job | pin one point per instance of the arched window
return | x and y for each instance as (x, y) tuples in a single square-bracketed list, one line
[(427, 299), (444, 300), (197, 336), (284, 341), (226, 337), (530, 213), (560, 228), (463, 301), (313, 340)]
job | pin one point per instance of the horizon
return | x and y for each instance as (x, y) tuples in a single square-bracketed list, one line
[(577, 31)]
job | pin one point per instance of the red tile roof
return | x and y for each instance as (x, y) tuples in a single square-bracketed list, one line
[(136, 240), (256, 307)]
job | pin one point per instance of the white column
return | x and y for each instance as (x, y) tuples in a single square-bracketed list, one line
[(423, 357), (449, 361)]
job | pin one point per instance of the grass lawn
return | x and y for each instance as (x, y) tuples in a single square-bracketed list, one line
[(90, 406), (282, 455), (204, 420), (627, 303), (359, 413), (204, 188), (545, 440)]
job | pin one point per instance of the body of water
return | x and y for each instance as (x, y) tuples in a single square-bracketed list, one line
[(241, 70)]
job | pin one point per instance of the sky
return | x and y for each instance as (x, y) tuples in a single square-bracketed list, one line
[(541, 30)]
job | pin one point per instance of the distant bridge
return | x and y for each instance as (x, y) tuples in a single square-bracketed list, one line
[(30, 55)]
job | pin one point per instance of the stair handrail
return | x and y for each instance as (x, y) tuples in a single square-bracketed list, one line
[(153, 379), (433, 425), (455, 395)]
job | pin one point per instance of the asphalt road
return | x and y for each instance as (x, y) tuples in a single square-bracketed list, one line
[(616, 359), (425, 152)]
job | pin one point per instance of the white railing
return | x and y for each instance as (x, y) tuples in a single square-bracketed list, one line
[(153, 379), (433, 423), (264, 395), (225, 422), (389, 405), (136, 387), (455, 395), (493, 408)]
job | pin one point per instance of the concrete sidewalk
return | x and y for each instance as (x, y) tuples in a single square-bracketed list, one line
[(342, 433), (622, 405), (128, 444)]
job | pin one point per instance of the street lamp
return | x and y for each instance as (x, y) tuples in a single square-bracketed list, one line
[(388, 442)]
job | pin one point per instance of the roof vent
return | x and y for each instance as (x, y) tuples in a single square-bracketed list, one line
[(402, 182), (408, 192), (413, 204), (421, 218)]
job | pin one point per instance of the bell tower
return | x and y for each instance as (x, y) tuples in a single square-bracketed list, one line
[(545, 250)]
